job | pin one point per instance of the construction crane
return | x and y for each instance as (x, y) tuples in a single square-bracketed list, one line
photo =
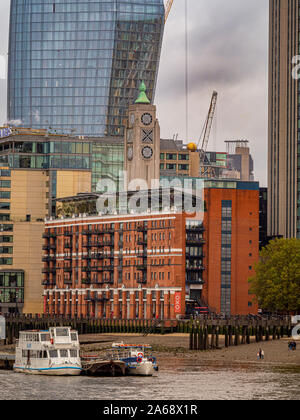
[(207, 129), (168, 9)]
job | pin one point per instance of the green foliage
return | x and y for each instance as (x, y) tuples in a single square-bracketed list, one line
[(277, 281)]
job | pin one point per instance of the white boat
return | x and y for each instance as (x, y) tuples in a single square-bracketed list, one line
[(53, 352), (137, 357)]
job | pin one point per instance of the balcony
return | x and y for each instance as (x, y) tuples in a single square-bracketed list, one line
[(95, 268), (108, 281), (195, 229), (48, 282), (86, 280), (48, 258), (143, 242), (90, 244), (195, 281), (142, 281), (68, 233), (46, 235), (87, 232), (68, 281), (195, 269), (68, 245), (46, 247), (68, 269), (195, 242), (142, 228), (142, 267), (107, 268), (49, 270), (108, 243), (109, 231), (194, 257)]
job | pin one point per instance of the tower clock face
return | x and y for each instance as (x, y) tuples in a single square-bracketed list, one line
[(147, 152), (130, 153), (146, 118)]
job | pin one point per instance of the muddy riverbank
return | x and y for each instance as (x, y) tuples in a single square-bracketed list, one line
[(177, 345)]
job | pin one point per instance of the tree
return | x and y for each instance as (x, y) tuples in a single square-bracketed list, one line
[(276, 283)]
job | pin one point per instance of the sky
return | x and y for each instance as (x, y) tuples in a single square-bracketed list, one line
[(227, 52)]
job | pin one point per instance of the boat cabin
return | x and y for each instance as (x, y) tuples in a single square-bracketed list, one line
[(55, 335)]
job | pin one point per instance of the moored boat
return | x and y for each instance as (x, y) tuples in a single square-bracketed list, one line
[(137, 357), (53, 352)]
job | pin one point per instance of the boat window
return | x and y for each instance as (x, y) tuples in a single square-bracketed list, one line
[(45, 337), (45, 355), (63, 353), (53, 353), (73, 353), (62, 332), (74, 336)]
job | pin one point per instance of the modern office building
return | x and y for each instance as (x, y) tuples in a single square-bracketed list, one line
[(284, 117), (36, 168), (136, 265), (177, 160), (76, 65)]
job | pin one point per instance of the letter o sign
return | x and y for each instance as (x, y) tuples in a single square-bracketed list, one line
[(177, 303)]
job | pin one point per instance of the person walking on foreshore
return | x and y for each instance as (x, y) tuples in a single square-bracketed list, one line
[(260, 354)]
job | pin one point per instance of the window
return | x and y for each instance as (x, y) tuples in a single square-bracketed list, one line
[(45, 337), (5, 172), (171, 166), (6, 239), (6, 249), (4, 194), (171, 156), (6, 261), (6, 228), (4, 184), (4, 206), (4, 217), (183, 167), (183, 157)]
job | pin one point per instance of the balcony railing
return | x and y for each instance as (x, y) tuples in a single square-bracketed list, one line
[(142, 228), (200, 268)]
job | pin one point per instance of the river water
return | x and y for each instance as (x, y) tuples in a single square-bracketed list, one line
[(177, 379)]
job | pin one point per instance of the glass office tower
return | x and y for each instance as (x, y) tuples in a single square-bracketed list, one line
[(75, 65)]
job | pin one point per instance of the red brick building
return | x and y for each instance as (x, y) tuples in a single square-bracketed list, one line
[(231, 247), (150, 265)]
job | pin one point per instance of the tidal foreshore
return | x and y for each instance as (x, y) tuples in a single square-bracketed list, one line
[(177, 345)]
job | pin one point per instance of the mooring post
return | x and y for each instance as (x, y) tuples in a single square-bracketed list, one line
[(230, 335), (191, 340), (217, 336), (226, 336), (212, 340)]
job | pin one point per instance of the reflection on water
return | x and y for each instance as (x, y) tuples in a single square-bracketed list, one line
[(177, 379)]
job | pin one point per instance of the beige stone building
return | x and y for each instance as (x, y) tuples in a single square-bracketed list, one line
[(35, 168)]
